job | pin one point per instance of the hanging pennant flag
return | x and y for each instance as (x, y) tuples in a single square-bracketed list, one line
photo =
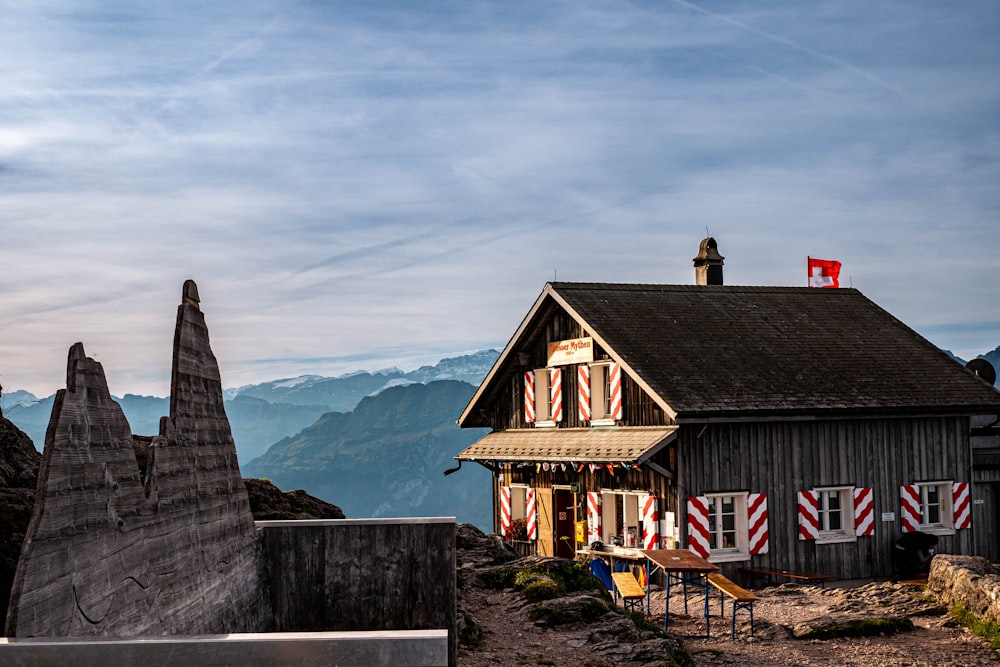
[(611, 468), (823, 272)]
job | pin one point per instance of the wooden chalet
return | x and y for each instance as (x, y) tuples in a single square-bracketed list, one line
[(767, 427)]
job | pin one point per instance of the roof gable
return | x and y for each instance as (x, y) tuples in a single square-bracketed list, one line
[(723, 350), (703, 351)]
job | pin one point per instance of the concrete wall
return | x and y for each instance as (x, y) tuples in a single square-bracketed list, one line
[(358, 574), (420, 648)]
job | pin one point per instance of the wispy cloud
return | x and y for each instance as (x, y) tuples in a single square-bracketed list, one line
[(366, 181)]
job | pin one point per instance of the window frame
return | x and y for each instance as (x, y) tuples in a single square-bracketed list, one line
[(630, 509), (543, 398), (741, 551), (847, 531), (945, 507), (600, 393)]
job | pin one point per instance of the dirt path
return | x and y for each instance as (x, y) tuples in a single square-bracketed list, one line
[(509, 638)]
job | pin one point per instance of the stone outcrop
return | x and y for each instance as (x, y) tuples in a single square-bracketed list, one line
[(19, 462), (269, 503), (114, 550), (971, 581)]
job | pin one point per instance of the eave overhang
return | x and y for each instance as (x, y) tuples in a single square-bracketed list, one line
[(570, 445)]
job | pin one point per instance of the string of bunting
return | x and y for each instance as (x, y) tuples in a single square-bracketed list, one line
[(579, 467)]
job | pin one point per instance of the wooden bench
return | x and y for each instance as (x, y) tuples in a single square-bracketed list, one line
[(742, 599), (809, 577), (628, 588)]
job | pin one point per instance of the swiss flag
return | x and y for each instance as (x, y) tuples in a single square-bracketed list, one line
[(824, 272)]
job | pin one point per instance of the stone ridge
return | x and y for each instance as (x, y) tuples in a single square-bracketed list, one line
[(111, 553)]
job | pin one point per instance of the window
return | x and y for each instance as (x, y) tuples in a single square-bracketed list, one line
[(629, 518), (543, 397), (835, 513), (605, 394), (543, 405), (728, 526), (935, 507)]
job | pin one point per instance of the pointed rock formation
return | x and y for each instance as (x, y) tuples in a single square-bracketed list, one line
[(111, 553)]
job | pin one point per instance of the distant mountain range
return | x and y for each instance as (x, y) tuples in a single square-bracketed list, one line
[(262, 414), (374, 443), (387, 457)]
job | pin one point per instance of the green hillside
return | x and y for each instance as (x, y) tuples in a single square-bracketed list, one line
[(387, 457)]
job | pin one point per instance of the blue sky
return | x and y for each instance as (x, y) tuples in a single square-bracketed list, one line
[(359, 185)]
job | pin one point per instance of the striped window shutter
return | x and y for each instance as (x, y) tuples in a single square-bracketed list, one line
[(583, 391), (909, 507), (698, 539), (531, 515), (593, 517), (864, 512), (504, 511), (555, 394), (529, 397), (808, 515), (960, 504), (757, 520), (650, 521), (615, 387)]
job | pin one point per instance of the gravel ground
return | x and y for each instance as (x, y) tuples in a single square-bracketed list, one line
[(509, 638)]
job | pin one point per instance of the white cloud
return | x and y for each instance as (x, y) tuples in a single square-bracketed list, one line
[(353, 181)]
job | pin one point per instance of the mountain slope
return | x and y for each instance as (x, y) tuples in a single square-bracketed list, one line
[(387, 457)]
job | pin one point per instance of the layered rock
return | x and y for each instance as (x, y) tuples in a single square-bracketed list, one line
[(19, 462), (113, 551), (971, 581)]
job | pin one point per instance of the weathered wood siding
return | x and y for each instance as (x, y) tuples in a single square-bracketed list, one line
[(986, 519), (783, 457), (639, 409), (362, 574), (642, 478)]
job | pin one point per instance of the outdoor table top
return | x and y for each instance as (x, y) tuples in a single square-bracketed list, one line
[(671, 560), (679, 560)]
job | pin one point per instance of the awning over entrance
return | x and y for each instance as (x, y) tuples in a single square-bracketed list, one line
[(576, 445)]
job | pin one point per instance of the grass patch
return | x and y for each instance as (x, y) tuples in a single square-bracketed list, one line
[(590, 610), (987, 629), (866, 627), (541, 589), (567, 575), (499, 578)]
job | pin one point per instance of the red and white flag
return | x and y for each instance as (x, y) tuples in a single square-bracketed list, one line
[(824, 272)]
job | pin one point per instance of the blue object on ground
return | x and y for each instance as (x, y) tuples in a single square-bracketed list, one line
[(601, 570)]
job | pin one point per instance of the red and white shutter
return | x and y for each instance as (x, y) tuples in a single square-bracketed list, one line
[(504, 511), (615, 389), (808, 515), (593, 517), (960, 504), (650, 521), (864, 512), (757, 519), (529, 397), (555, 394), (530, 515), (909, 507), (583, 391), (698, 540)]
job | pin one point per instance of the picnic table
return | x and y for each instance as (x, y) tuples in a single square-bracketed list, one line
[(683, 567), (679, 566)]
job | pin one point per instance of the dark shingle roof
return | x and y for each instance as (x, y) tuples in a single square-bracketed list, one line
[(722, 350)]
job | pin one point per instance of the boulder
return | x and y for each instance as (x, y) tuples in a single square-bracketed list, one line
[(971, 581)]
